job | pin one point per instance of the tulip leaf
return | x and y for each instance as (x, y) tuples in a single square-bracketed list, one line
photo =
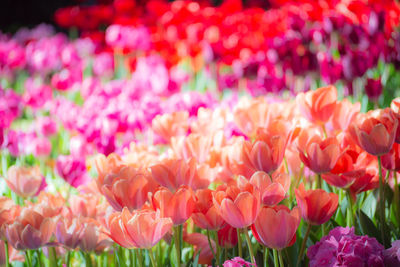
[(367, 226), (369, 205)]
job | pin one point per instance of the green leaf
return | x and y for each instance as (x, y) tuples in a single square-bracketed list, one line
[(367, 226)]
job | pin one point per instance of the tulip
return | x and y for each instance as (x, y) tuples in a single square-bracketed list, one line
[(391, 160), (321, 155), (82, 233), (276, 227), (31, 230), (376, 131), (169, 125), (395, 106), (201, 246), (127, 187), (178, 206), (192, 146), (205, 214), (273, 190), (317, 206), (24, 181), (173, 173), (318, 106), (72, 170), (227, 236), (140, 229), (238, 206), (8, 213)]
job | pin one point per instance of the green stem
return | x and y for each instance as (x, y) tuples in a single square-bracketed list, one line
[(218, 250), (159, 254), (139, 257), (28, 258), (381, 202), (68, 259), (246, 234), (276, 262), (153, 261), (88, 260), (210, 245), (303, 245), (38, 254), (177, 245), (280, 258), (350, 215), (239, 243), (6, 253), (266, 251), (319, 179), (52, 257), (396, 197)]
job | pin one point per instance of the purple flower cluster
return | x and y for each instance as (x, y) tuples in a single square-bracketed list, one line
[(341, 247)]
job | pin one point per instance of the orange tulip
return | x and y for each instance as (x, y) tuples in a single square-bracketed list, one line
[(169, 125), (127, 187), (319, 105), (201, 245), (273, 190), (86, 205), (205, 214), (192, 146), (31, 230), (8, 212), (276, 227), (178, 206), (344, 115), (140, 229), (321, 155), (80, 232), (24, 181), (267, 152), (376, 131), (317, 206), (238, 205), (173, 173)]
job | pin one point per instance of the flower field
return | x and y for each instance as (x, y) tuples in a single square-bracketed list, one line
[(194, 133)]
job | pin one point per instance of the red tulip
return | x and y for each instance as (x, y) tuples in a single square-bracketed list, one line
[(317, 206)]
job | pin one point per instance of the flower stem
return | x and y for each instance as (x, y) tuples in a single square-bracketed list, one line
[(276, 262), (28, 258), (319, 181), (280, 258), (381, 202), (350, 215), (52, 257), (218, 250), (239, 243), (153, 261), (139, 257), (303, 245), (266, 251), (68, 259), (246, 234), (6, 253), (396, 197), (177, 245), (211, 248), (39, 258), (88, 260)]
